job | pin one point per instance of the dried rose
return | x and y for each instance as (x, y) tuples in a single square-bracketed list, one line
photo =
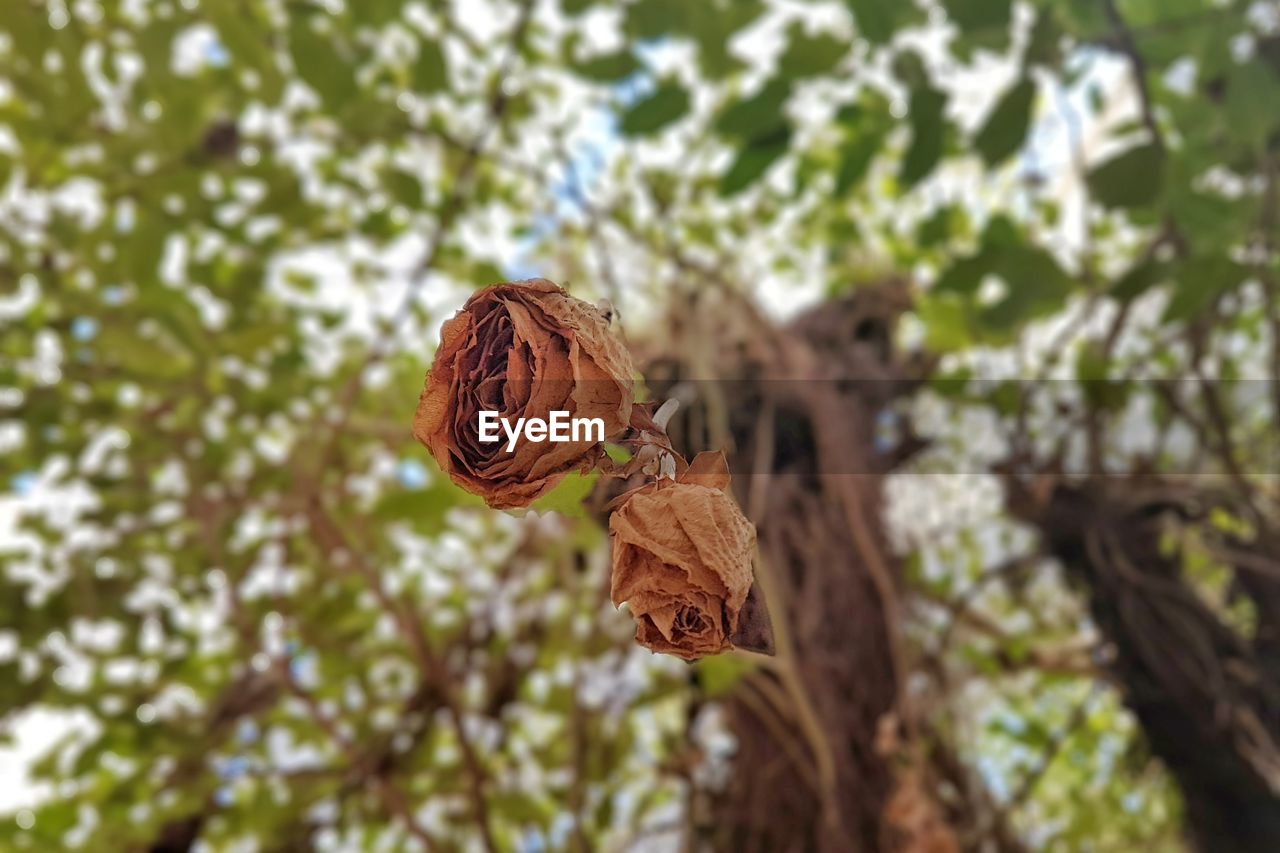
[(521, 349), (682, 560)]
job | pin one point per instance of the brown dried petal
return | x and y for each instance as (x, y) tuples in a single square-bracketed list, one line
[(682, 561), (523, 349)]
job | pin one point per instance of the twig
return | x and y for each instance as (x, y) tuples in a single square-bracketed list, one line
[(1028, 785), (331, 537), (1225, 446), (807, 715), (765, 705), (785, 661), (830, 434), (1266, 227), (1138, 65), (387, 790), (959, 607), (578, 193), (453, 204)]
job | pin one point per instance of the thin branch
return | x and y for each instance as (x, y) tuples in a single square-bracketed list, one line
[(769, 705), (784, 663), (1079, 715), (332, 538), (806, 713), (1167, 26), (1226, 450), (959, 607), (386, 788), (449, 211), (577, 191), (1074, 660), (1270, 286), (1125, 43)]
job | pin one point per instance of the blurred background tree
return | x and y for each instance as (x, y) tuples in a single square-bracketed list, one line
[(1025, 577)]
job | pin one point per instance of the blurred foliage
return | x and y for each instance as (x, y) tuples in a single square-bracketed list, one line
[(230, 558)]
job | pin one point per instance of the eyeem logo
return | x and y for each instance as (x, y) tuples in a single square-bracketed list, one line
[(560, 427)]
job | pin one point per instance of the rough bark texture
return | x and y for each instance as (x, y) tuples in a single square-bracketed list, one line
[(798, 408), (1205, 692)]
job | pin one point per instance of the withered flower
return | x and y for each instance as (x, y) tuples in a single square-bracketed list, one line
[(521, 349), (682, 560)]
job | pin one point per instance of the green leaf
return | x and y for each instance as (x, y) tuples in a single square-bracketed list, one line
[(1043, 50), (910, 69), (1035, 284), (1138, 280), (666, 105), (617, 453), (720, 674), (249, 44), (1084, 16), (651, 19), (609, 67), (752, 161), (973, 16), (30, 33), (1001, 232), (808, 56), (375, 13), (430, 72), (486, 272), (144, 248), (947, 320), (1006, 127), (927, 125), (1199, 281), (1133, 178), (757, 116), (866, 121), (319, 65), (1092, 371), (404, 188), (965, 274), (140, 357), (945, 223), (878, 20), (425, 509), (524, 807), (713, 24), (1227, 522), (855, 159), (1208, 221), (567, 497), (1249, 86)]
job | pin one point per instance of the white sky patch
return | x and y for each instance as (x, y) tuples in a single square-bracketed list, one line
[(35, 732)]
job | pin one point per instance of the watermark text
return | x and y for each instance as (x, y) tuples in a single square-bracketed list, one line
[(558, 427)]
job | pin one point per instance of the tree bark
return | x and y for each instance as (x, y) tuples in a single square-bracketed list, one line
[(815, 766), (1207, 696)]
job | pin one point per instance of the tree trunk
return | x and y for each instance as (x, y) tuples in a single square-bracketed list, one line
[(1207, 697), (820, 762)]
